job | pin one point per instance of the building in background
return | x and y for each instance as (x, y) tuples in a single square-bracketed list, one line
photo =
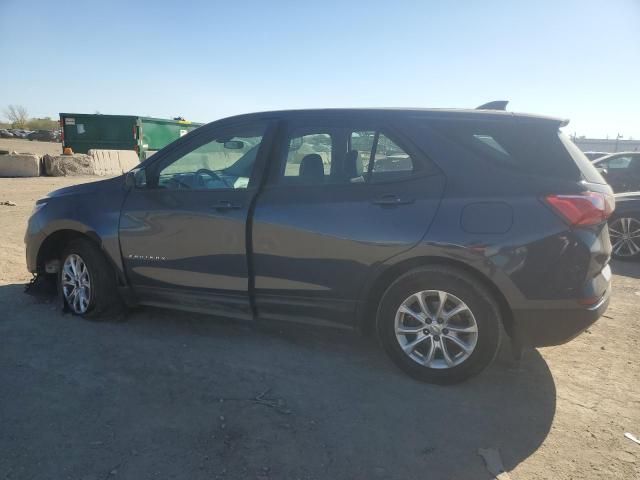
[(606, 145)]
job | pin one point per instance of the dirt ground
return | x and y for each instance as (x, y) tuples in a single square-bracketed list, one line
[(174, 395), (21, 145)]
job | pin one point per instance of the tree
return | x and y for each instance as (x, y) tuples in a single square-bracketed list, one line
[(17, 115), (46, 123)]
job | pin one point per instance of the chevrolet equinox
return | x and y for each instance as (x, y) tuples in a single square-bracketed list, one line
[(434, 230)]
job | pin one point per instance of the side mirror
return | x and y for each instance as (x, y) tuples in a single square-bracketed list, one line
[(130, 179), (234, 145), (135, 178)]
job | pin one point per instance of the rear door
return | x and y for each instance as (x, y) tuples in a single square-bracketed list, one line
[(343, 196), (183, 230)]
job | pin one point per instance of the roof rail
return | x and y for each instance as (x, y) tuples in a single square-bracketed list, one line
[(495, 105)]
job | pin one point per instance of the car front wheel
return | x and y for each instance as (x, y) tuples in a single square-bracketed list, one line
[(439, 325), (87, 281)]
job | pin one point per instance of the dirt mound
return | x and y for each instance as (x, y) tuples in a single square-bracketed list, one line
[(68, 165)]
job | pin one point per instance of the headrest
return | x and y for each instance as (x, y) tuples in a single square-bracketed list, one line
[(312, 168)]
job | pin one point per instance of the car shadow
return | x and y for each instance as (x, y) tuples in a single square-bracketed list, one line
[(193, 396), (627, 268)]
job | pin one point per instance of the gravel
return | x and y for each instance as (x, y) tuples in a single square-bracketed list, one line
[(175, 395)]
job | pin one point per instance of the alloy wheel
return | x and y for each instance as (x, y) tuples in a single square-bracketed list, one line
[(76, 284), (625, 236), (436, 329)]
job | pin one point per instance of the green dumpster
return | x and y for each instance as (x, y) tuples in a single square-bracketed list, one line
[(82, 132)]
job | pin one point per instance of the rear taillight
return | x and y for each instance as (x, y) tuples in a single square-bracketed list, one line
[(589, 208)]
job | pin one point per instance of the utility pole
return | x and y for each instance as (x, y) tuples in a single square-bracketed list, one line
[(618, 137)]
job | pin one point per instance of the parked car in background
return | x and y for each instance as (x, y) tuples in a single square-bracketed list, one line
[(4, 133), (595, 155), (624, 226), (20, 133), (621, 171), (42, 136), (431, 229), (24, 133)]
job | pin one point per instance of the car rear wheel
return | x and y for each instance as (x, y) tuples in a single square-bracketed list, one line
[(625, 237), (439, 325), (86, 281)]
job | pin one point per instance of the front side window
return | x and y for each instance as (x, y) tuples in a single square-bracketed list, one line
[(617, 163), (226, 162)]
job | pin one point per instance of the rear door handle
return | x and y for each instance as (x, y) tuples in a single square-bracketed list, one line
[(392, 200), (226, 205)]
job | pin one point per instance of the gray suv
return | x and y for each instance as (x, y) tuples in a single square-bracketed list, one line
[(434, 230)]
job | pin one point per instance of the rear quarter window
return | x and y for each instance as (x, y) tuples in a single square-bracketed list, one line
[(536, 148)]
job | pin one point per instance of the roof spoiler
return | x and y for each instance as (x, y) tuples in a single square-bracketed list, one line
[(495, 105)]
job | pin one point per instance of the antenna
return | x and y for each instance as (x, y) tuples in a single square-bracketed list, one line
[(495, 105)]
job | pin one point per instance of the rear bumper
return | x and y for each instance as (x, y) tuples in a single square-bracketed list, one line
[(547, 327)]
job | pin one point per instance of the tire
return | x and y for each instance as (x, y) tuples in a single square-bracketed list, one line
[(101, 298), (426, 361), (625, 248)]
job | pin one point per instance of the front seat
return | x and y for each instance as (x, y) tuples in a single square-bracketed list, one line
[(351, 164), (312, 168)]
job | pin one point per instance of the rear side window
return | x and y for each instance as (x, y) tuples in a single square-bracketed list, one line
[(342, 155), (306, 147), (378, 157), (528, 147)]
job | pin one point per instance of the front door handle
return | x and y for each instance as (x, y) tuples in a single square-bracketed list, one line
[(392, 200), (226, 205)]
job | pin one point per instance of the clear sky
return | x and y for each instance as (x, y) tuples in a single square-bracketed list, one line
[(204, 60)]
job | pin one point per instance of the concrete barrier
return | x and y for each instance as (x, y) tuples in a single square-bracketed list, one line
[(113, 162), (98, 162), (20, 165)]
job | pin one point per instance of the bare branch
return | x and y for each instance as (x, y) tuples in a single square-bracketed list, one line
[(17, 115)]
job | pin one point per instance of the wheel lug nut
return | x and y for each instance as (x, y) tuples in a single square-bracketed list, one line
[(440, 320), (428, 320), (445, 331), (436, 338)]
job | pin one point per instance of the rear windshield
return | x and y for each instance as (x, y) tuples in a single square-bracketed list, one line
[(533, 148)]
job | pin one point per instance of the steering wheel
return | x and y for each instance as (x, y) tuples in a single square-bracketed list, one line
[(212, 174), (180, 184)]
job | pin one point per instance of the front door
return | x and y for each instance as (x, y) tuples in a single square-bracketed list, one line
[(183, 230)]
